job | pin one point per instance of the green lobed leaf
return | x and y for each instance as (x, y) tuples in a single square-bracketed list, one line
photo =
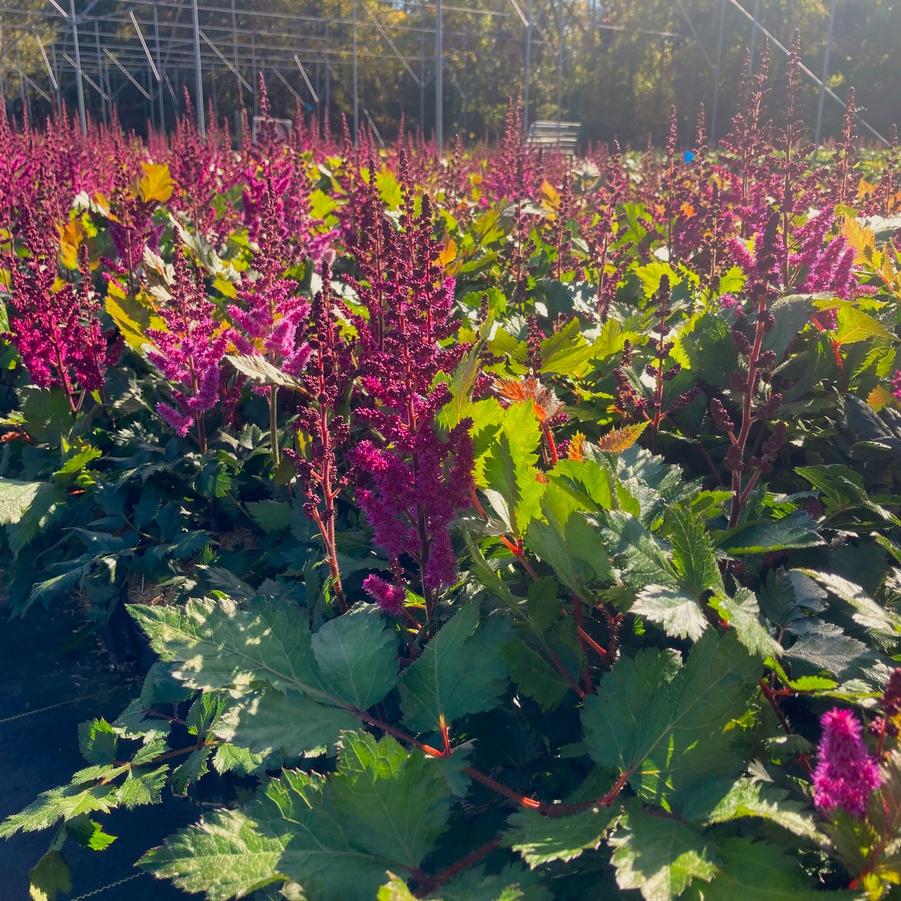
[(290, 724), (540, 839), (89, 834), (142, 787), (797, 530), (679, 615), (566, 351), (260, 371), (15, 498), (63, 803), (569, 541), (271, 516), (660, 856), (97, 741), (48, 877), (867, 612), (824, 646), (219, 644), (357, 657), (533, 675), (510, 474), (666, 726), (458, 673), (754, 871), (791, 313), (693, 554), (720, 802), (224, 856), (396, 801), (743, 615), (460, 387)]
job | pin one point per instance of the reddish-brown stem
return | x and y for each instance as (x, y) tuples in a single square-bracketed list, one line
[(513, 545), (501, 789), (600, 650), (560, 810), (578, 617), (551, 444), (327, 533), (464, 863), (747, 417), (398, 734), (445, 737), (557, 663)]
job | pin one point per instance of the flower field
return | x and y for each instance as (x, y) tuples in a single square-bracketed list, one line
[(504, 526)]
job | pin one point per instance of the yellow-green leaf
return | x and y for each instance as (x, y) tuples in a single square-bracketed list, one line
[(156, 182)]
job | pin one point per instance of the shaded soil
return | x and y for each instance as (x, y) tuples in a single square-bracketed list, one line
[(43, 663)]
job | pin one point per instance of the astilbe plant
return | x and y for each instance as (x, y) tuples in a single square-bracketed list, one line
[(189, 352), (846, 774), (747, 147), (323, 425), (270, 312), (617, 685), (757, 401), (412, 480), (56, 326), (661, 369)]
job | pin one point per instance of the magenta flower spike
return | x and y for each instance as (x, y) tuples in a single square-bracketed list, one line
[(189, 352), (846, 774)]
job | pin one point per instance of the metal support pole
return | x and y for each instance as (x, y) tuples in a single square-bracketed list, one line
[(753, 50), (108, 86), (160, 108), (716, 73), (79, 86), (830, 30), (148, 86), (234, 19), (55, 64), (254, 75), (559, 15), (527, 75), (422, 81), (356, 95), (105, 113), (26, 111), (198, 72), (328, 74), (439, 78)]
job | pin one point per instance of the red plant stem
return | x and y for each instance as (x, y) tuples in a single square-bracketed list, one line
[(513, 545), (551, 810), (521, 556), (398, 734), (601, 651), (558, 665), (501, 789), (577, 616), (474, 497), (747, 417), (464, 863), (614, 620), (518, 552), (326, 525), (551, 444), (602, 276), (560, 810), (327, 532)]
